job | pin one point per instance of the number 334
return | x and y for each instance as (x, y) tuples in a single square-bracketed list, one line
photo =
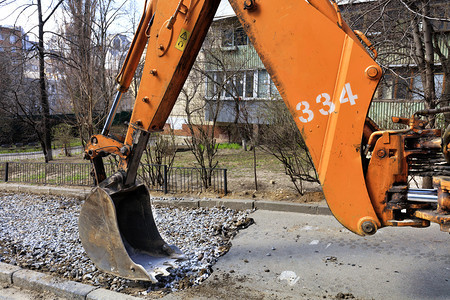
[(328, 106)]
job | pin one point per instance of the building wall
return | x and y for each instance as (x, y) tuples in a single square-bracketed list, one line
[(11, 39), (233, 74)]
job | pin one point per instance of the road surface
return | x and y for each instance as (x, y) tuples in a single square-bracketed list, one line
[(298, 256)]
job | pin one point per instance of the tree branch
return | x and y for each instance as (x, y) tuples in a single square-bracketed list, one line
[(53, 11)]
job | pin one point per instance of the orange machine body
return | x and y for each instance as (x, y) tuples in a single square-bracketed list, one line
[(323, 72)]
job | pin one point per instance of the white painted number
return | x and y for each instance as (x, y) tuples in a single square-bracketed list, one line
[(328, 106), (325, 102), (306, 111), (350, 97)]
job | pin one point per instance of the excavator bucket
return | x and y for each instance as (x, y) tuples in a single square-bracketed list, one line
[(120, 236)]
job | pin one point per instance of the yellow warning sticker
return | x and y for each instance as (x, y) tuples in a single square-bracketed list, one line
[(182, 39)]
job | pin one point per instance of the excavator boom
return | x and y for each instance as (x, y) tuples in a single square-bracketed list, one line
[(327, 79)]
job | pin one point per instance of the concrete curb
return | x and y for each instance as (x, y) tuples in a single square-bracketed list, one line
[(35, 281), (7, 271), (237, 204), (243, 204)]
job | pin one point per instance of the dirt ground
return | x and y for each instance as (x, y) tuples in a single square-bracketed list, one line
[(272, 182)]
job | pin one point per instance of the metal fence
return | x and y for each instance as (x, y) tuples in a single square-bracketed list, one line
[(183, 179), (157, 177), (48, 173)]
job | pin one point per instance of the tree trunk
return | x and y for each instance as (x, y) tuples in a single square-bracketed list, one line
[(445, 98), (45, 109), (424, 56), (445, 63), (429, 86), (254, 167)]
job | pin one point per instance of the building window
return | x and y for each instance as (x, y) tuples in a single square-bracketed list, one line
[(394, 87), (401, 89), (386, 87), (210, 85), (232, 37), (439, 84), (12, 39), (240, 38), (249, 84), (1, 37), (407, 88), (417, 91), (417, 86), (227, 38), (266, 87), (239, 84), (263, 84)]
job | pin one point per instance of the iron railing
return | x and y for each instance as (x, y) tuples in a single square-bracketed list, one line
[(48, 173), (157, 177), (183, 179)]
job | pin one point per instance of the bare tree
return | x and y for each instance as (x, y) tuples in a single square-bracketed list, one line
[(202, 141), (44, 130), (282, 139), (19, 100), (413, 46), (158, 158), (62, 133), (410, 35), (88, 74), (47, 140), (223, 73), (78, 67)]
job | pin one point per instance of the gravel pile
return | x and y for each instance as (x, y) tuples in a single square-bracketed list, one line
[(41, 233)]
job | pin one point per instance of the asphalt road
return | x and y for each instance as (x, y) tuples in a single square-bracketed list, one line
[(299, 256)]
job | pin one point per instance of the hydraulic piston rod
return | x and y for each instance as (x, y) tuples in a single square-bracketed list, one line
[(423, 195), (112, 114)]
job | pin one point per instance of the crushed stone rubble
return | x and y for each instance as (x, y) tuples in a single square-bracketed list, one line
[(40, 232)]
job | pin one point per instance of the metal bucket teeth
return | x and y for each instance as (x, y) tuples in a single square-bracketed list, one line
[(120, 236)]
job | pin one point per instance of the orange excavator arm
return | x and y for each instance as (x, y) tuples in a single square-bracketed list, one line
[(325, 76)]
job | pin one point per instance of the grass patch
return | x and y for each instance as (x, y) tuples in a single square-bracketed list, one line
[(234, 146), (76, 178), (20, 150)]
